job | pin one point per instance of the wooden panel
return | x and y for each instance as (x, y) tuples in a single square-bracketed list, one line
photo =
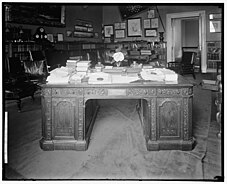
[(63, 117), (169, 118)]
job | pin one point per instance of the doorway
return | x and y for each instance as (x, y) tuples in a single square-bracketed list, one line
[(186, 29)]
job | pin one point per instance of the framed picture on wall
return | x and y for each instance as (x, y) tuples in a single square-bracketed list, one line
[(150, 32), (123, 25), (60, 37), (134, 27), (154, 23), (117, 25), (150, 14), (120, 33), (146, 23), (215, 26), (108, 31)]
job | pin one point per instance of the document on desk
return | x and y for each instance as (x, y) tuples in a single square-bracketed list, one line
[(121, 79), (99, 78)]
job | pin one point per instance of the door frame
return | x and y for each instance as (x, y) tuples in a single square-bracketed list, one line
[(202, 32)]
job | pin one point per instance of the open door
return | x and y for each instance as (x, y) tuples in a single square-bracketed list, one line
[(174, 32)]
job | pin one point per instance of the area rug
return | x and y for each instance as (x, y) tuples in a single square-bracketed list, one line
[(117, 148)]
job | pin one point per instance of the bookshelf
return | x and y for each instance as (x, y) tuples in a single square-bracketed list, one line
[(213, 55), (20, 49)]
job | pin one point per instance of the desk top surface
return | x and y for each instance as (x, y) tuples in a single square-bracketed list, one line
[(181, 82)]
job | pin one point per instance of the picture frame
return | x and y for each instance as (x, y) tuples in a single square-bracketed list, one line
[(108, 31), (213, 16), (60, 37), (134, 28), (154, 23), (150, 14), (123, 25), (150, 32), (215, 26), (50, 37), (69, 33), (117, 25), (120, 33), (146, 23)]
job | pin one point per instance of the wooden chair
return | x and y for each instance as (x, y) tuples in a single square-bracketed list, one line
[(186, 65)]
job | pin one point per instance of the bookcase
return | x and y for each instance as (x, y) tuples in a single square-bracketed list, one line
[(213, 55), (20, 49), (140, 50)]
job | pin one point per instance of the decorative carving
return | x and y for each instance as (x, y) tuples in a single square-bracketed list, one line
[(169, 118), (48, 118), (95, 92), (168, 92), (187, 91), (46, 92), (64, 117), (141, 92), (67, 92), (185, 119), (152, 108), (81, 120)]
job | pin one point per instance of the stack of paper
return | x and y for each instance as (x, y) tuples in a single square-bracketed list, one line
[(71, 65), (170, 75), (158, 74), (82, 66), (76, 78), (152, 74), (58, 76)]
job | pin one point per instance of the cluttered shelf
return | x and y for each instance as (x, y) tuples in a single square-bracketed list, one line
[(213, 55)]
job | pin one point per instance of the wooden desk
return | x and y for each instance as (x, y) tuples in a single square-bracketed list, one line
[(69, 111)]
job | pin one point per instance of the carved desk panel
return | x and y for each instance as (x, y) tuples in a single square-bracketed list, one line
[(166, 111)]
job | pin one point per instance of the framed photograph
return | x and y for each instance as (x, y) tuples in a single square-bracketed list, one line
[(215, 26), (120, 33), (154, 23), (123, 25), (60, 37), (146, 23), (215, 16), (50, 37), (108, 31), (150, 32), (117, 25), (150, 14), (69, 33), (134, 27)]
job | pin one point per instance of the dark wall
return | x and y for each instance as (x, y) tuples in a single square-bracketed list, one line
[(73, 12)]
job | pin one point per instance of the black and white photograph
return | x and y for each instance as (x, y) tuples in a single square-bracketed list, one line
[(97, 92)]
